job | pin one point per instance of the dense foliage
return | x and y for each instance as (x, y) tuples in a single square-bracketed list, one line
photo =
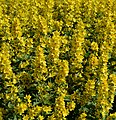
[(57, 59)]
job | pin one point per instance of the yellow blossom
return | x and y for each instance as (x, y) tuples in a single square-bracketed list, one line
[(21, 108), (41, 117), (47, 109), (26, 117), (94, 46), (28, 97), (71, 105)]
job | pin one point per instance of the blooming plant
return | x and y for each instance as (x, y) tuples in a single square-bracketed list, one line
[(57, 59)]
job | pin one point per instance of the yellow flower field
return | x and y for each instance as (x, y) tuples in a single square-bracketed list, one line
[(57, 59)]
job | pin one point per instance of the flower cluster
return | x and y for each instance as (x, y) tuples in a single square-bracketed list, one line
[(57, 59)]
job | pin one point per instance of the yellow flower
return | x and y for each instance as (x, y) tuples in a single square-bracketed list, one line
[(71, 105), (94, 46), (21, 108), (47, 109), (41, 117), (38, 109), (26, 117), (18, 99), (23, 64), (82, 116), (65, 112), (93, 60), (50, 84), (7, 96), (28, 97), (52, 117)]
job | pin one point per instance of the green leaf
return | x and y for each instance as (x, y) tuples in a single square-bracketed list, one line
[(10, 105), (15, 117), (67, 98)]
